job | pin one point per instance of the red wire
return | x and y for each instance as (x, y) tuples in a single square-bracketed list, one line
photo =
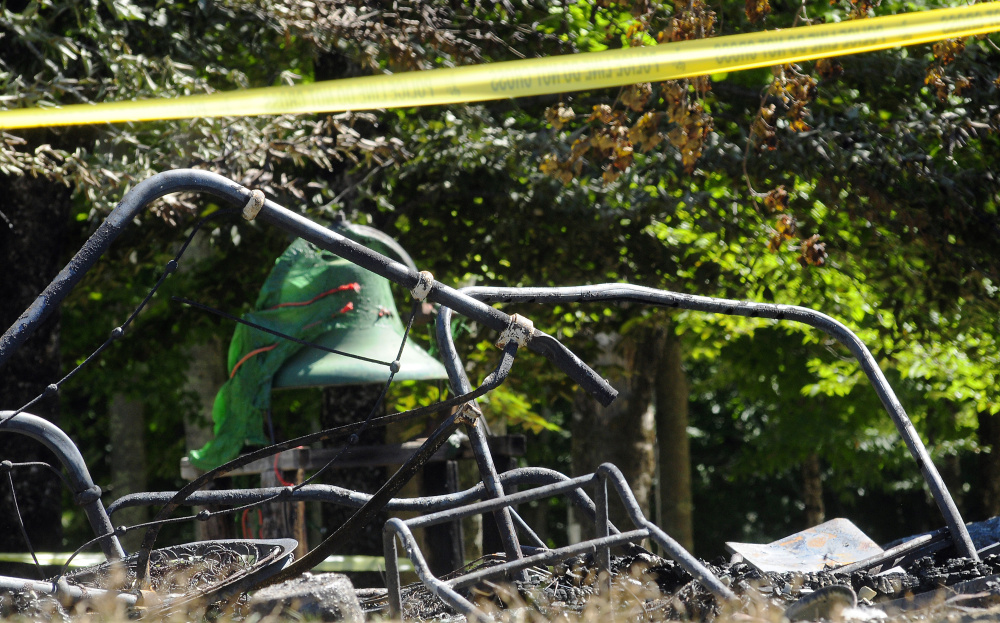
[(277, 473), (243, 524), (258, 351), (247, 532), (347, 286)]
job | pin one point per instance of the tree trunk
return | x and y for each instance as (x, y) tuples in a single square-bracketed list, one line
[(206, 374), (32, 237), (812, 491), (989, 439), (624, 432), (674, 464), (128, 462)]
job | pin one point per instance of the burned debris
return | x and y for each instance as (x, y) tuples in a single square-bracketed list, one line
[(821, 573)]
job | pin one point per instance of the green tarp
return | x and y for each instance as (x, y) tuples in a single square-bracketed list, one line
[(304, 296)]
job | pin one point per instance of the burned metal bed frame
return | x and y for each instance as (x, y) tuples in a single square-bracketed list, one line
[(606, 537), (515, 331)]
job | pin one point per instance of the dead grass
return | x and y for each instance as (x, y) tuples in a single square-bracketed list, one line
[(632, 598)]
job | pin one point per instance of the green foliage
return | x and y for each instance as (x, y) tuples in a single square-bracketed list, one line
[(860, 186)]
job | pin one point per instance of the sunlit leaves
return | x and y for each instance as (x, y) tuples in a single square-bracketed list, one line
[(946, 50), (645, 133), (636, 96), (938, 78), (861, 9), (829, 68), (633, 123), (502, 404), (763, 134), (785, 228), (692, 20), (834, 378)]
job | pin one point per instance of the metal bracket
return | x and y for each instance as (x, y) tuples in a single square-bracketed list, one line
[(468, 413), (425, 282), (520, 330), (253, 206)]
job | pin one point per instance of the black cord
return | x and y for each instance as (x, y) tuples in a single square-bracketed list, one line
[(284, 336), (355, 437), (119, 332), (20, 523)]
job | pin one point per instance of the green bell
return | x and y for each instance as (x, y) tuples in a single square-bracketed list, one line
[(321, 298), (372, 329)]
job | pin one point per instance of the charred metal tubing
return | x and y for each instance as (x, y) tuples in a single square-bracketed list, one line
[(513, 499), (346, 497), (194, 180), (477, 439), (551, 556), (377, 502), (182, 180), (449, 354), (599, 546), (135, 200), (493, 380), (900, 555), (606, 472), (602, 532), (371, 260), (445, 589), (396, 482), (610, 473), (63, 589), (526, 529), (85, 492), (488, 473), (439, 587), (381, 236), (623, 292)]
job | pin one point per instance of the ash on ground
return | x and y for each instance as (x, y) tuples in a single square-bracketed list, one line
[(646, 587)]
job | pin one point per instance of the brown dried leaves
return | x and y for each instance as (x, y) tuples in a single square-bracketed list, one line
[(757, 10), (793, 91), (634, 123), (945, 53)]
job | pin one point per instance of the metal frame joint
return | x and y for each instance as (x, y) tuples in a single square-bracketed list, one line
[(520, 330)]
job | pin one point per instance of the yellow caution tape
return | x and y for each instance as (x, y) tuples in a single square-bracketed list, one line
[(538, 76)]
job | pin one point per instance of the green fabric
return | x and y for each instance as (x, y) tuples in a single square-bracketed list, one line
[(302, 273)]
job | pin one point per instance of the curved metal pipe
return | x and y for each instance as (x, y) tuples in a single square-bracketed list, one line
[(85, 492), (134, 201), (331, 494), (608, 472), (618, 292), (371, 233), (396, 527), (477, 437), (195, 180)]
